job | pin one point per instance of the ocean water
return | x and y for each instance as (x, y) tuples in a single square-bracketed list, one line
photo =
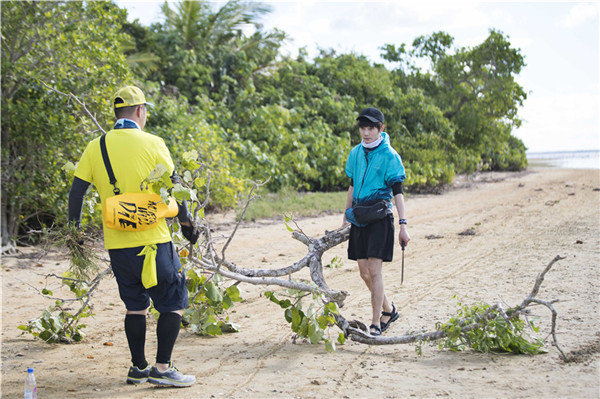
[(566, 159)]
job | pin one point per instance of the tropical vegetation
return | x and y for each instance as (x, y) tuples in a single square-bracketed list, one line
[(223, 88)]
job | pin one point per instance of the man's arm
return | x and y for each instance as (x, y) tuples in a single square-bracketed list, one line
[(78, 189), (188, 230)]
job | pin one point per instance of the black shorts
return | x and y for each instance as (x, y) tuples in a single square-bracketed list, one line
[(375, 240), (168, 295)]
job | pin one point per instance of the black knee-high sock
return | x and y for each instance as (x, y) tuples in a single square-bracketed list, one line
[(135, 330), (167, 331)]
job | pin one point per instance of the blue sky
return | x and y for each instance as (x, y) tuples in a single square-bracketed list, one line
[(560, 41)]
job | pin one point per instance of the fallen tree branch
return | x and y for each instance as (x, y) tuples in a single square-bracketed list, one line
[(357, 331)]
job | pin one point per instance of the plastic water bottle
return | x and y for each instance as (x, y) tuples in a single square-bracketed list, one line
[(30, 385)]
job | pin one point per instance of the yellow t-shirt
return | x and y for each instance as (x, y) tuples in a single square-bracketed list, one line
[(133, 155)]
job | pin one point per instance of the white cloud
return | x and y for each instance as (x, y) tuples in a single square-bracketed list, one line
[(579, 14), (560, 122), (562, 63)]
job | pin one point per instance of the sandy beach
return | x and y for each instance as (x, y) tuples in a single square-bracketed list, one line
[(520, 222)]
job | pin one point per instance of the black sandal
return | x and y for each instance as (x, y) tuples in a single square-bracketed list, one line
[(377, 331), (393, 315)]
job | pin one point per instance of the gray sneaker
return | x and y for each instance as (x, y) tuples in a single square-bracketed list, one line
[(171, 377), (137, 376)]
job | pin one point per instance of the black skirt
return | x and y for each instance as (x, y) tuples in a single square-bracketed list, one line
[(375, 240)]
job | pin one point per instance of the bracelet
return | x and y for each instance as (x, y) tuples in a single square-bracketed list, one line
[(403, 221)]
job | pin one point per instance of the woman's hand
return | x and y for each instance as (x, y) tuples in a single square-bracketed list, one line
[(403, 236)]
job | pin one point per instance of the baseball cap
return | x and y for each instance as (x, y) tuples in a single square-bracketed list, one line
[(372, 114), (130, 95)]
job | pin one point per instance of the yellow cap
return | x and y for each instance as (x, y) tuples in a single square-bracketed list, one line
[(130, 95)]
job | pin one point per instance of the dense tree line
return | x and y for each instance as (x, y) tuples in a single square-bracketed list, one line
[(222, 88)]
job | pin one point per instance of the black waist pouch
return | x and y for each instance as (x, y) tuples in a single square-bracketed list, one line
[(370, 211)]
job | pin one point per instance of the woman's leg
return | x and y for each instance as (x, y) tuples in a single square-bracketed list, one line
[(371, 273)]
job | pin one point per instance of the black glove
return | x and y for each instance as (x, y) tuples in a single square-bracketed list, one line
[(190, 233)]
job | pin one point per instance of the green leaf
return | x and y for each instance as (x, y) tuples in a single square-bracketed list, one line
[(47, 336), (180, 192), (329, 346), (323, 321), (158, 172), (69, 167), (271, 296), (213, 329), (190, 156), (229, 327), (227, 302), (332, 307), (297, 317), (213, 293), (233, 292), (286, 303), (314, 333)]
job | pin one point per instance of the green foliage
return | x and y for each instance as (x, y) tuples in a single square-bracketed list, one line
[(57, 324), (311, 324), (195, 143), (335, 263), (209, 300), (288, 201), (247, 112), (476, 90), (493, 332), (52, 42), (208, 303)]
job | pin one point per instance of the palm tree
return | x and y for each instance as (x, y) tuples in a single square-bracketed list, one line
[(198, 26), (229, 42)]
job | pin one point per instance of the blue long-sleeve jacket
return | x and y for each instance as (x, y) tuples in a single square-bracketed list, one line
[(374, 173)]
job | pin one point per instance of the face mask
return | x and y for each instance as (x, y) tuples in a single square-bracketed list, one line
[(373, 144)]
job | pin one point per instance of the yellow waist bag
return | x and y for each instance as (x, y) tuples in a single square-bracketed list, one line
[(133, 211), (136, 211)]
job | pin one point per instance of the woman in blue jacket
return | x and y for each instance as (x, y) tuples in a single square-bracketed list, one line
[(376, 172)]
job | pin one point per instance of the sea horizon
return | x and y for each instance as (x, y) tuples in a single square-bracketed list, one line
[(582, 159)]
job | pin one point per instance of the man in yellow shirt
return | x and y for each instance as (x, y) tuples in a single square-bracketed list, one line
[(133, 154)]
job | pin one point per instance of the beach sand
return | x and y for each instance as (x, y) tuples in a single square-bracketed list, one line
[(521, 221)]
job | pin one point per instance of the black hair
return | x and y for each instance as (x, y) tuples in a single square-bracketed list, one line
[(364, 122), (124, 112)]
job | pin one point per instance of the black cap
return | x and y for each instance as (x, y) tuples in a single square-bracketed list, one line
[(372, 114)]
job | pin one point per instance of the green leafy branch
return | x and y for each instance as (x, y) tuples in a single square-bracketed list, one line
[(57, 323), (480, 326), (495, 331), (205, 316), (312, 324)]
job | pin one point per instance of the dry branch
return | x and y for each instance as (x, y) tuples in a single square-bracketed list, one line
[(358, 331), (316, 248), (71, 96)]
